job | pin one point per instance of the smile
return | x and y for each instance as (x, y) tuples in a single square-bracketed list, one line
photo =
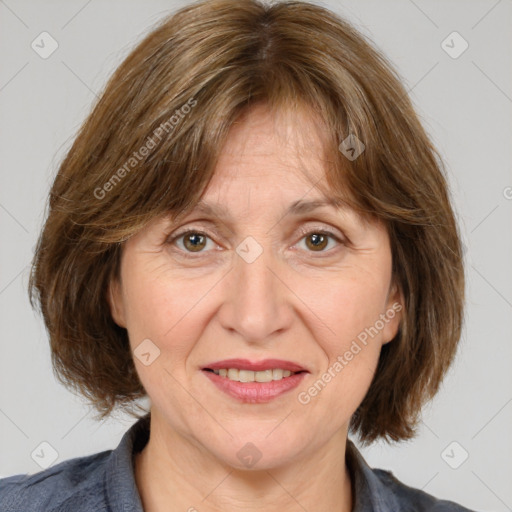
[(251, 390), (237, 375)]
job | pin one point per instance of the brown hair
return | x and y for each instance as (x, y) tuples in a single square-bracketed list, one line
[(177, 94)]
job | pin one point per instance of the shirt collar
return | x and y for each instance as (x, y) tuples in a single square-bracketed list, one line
[(369, 493), (122, 492)]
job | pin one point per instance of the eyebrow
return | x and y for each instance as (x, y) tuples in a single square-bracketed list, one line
[(299, 207)]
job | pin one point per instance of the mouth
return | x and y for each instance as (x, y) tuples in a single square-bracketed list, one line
[(238, 375), (245, 370), (255, 382)]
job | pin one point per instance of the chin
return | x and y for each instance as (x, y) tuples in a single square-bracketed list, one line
[(257, 451)]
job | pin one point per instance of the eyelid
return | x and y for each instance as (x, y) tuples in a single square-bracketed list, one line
[(304, 230), (323, 229), (191, 225), (188, 229)]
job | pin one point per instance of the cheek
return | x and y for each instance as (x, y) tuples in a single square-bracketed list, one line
[(348, 307), (349, 330), (160, 308), (166, 308), (147, 308), (151, 302)]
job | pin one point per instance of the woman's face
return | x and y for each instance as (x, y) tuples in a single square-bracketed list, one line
[(254, 281)]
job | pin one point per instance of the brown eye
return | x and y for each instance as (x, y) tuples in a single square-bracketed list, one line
[(194, 242), (317, 241)]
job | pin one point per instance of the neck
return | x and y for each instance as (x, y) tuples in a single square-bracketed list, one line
[(175, 473)]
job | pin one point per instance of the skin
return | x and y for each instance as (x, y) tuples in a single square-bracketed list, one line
[(294, 302)]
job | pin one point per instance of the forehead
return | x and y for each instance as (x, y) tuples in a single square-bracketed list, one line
[(271, 159), (273, 156), (284, 141)]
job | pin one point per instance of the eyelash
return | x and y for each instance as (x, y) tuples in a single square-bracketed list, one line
[(304, 232)]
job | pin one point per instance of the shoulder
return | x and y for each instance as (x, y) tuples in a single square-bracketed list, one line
[(76, 484), (93, 483), (379, 489), (410, 498)]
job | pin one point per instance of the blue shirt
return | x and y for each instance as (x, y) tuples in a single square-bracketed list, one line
[(105, 481)]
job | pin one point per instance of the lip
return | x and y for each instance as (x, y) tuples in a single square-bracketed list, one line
[(255, 392), (256, 366)]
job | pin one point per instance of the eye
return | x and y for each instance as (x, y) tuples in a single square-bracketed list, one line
[(196, 241), (317, 240), (192, 241)]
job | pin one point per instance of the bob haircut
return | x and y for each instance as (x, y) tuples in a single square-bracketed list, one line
[(149, 148)]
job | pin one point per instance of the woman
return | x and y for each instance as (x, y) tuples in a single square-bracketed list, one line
[(252, 229)]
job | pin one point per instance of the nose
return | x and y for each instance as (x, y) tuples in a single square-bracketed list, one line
[(257, 301)]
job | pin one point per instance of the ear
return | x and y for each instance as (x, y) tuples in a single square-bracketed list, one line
[(393, 313), (115, 301)]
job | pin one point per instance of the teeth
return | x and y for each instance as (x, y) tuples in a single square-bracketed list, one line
[(244, 375), (263, 376), (251, 376)]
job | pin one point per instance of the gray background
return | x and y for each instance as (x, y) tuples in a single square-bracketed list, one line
[(465, 104)]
